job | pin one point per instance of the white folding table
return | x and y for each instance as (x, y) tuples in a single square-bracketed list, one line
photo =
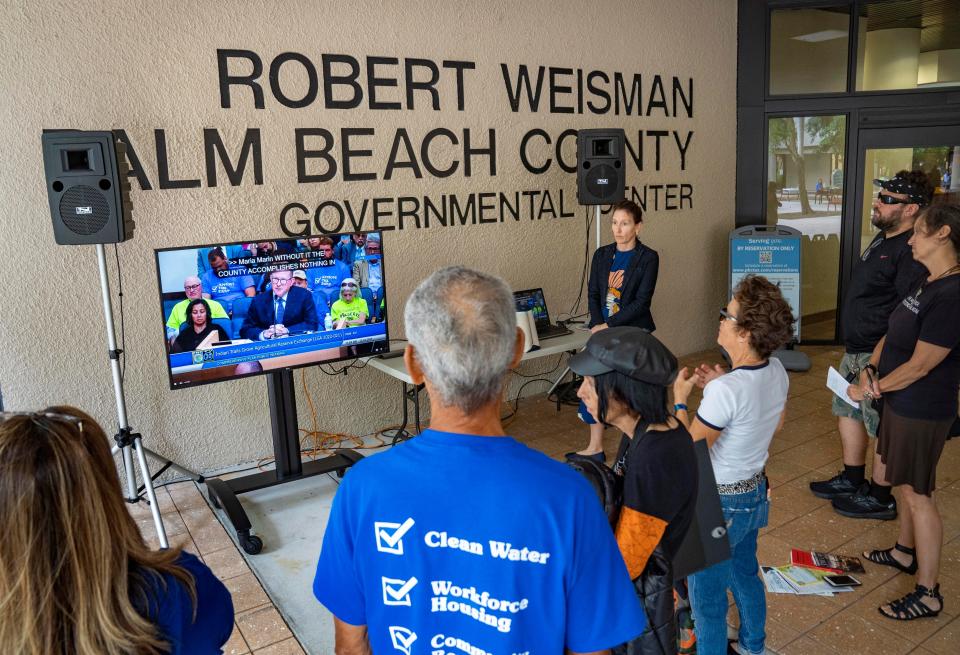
[(395, 368)]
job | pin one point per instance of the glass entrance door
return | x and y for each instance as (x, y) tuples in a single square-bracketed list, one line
[(805, 191), (883, 153), (938, 155)]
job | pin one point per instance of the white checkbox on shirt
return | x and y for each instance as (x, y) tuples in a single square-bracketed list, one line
[(397, 592), (390, 535)]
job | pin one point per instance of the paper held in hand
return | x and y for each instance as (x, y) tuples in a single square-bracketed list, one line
[(838, 385)]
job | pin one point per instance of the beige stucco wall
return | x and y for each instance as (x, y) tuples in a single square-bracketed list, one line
[(144, 66)]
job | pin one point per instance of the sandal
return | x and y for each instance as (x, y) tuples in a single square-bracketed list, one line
[(912, 607), (885, 558)]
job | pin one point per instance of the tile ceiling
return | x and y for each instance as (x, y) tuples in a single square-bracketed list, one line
[(939, 20)]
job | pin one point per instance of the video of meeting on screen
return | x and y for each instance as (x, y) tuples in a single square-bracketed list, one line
[(238, 309)]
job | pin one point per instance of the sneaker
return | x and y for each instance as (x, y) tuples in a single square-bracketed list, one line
[(862, 505), (836, 487)]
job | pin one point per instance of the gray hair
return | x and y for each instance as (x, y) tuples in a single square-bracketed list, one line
[(462, 325)]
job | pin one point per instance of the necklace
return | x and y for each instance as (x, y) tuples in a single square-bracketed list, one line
[(952, 269), (949, 271)]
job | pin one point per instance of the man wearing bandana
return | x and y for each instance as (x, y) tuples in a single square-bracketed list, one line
[(884, 275)]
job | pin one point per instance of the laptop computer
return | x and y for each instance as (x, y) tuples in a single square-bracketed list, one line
[(533, 300)]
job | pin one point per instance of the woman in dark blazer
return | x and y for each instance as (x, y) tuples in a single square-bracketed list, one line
[(623, 277)]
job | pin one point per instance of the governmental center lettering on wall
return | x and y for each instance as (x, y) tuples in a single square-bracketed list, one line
[(332, 83)]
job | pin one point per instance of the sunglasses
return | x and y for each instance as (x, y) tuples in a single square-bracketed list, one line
[(51, 416), (347, 285), (727, 316), (890, 200)]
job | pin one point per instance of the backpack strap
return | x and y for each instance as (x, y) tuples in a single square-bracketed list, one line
[(607, 484)]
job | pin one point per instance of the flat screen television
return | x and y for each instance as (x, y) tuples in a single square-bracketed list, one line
[(233, 310)]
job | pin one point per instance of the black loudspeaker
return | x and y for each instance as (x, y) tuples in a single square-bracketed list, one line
[(88, 187), (600, 166)]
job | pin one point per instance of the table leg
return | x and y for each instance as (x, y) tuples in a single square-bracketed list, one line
[(409, 394), (401, 432), (415, 396)]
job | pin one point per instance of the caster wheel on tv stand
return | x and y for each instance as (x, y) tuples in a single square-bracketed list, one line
[(251, 544)]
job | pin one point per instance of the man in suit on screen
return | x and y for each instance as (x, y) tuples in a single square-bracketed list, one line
[(281, 310)]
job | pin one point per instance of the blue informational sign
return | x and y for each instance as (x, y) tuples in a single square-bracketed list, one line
[(774, 253)]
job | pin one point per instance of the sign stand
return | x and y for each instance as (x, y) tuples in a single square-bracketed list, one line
[(774, 253)]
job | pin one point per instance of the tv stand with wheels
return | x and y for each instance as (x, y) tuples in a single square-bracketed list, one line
[(288, 463)]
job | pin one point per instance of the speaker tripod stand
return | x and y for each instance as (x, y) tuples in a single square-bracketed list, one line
[(129, 443), (560, 378)]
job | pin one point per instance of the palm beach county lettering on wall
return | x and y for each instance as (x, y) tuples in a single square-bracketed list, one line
[(341, 83)]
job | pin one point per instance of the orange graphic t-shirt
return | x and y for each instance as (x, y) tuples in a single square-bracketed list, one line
[(621, 260)]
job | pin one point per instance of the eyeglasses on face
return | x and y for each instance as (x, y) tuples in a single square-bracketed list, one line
[(191, 287), (887, 199), (347, 285), (727, 316)]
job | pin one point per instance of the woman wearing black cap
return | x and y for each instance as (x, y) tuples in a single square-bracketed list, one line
[(623, 277), (738, 416), (916, 368), (626, 373)]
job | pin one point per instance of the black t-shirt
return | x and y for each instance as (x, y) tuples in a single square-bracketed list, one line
[(930, 314), (660, 480), (885, 274), (189, 339)]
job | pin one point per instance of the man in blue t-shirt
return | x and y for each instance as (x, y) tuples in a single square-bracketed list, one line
[(233, 252), (352, 250), (463, 539), (368, 272), (325, 273), (226, 282)]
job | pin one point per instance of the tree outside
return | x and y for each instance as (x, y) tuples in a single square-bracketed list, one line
[(802, 136)]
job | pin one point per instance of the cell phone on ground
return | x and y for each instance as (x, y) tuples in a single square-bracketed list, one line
[(841, 581)]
